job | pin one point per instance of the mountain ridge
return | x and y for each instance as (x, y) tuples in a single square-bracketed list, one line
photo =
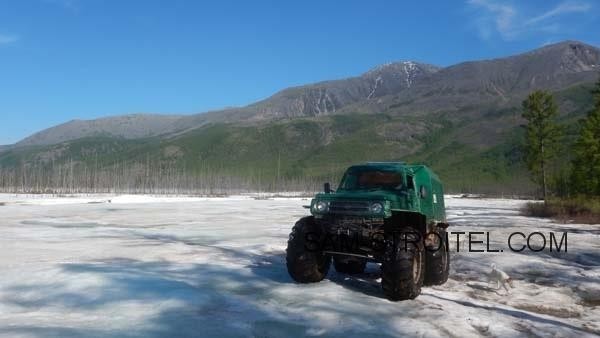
[(401, 81)]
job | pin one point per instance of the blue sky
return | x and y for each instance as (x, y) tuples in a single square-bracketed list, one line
[(68, 59)]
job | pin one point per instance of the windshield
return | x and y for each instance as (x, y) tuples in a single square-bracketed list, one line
[(371, 179)]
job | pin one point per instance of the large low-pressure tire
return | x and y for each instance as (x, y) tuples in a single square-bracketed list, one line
[(437, 263), (349, 265), (305, 263), (403, 267)]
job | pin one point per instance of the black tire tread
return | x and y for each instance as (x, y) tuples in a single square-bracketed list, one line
[(397, 270), (437, 269), (305, 266)]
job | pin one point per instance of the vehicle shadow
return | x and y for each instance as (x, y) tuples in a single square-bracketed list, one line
[(273, 267), (367, 282)]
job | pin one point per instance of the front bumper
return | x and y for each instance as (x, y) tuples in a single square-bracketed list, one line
[(354, 208)]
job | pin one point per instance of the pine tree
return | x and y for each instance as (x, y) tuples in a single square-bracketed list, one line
[(586, 163), (542, 136)]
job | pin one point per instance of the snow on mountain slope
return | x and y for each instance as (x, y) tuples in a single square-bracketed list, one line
[(161, 267)]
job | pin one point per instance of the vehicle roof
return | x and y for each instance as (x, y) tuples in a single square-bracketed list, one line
[(395, 166), (391, 166)]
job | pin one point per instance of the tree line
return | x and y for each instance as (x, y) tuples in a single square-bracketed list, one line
[(141, 178), (562, 170)]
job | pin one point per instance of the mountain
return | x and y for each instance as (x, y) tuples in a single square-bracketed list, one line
[(311, 100), (402, 87), (126, 126), (464, 120), (332, 96), (503, 80)]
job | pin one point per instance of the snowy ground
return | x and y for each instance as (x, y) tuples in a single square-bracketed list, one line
[(169, 267)]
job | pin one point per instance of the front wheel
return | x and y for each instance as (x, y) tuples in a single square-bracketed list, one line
[(438, 262), (402, 270), (306, 263)]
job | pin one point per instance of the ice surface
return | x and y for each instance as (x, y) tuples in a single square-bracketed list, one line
[(143, 266)]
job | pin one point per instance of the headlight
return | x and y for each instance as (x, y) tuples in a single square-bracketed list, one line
[(376, 208), (321, 206)]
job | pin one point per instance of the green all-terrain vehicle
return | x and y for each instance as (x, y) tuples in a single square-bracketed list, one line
[(386, 212)]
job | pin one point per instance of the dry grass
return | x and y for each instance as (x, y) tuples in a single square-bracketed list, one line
[(578, 210)]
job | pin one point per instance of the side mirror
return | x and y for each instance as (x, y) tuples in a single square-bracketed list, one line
[(327, 188)]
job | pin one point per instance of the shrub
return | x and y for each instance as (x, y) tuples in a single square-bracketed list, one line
[(578, 210)]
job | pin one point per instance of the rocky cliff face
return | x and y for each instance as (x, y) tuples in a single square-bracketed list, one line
[(331, 96)]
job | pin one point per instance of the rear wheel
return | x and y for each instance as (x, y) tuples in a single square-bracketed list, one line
[(438, 262), (306, 263), (349, 265), (402, 270)]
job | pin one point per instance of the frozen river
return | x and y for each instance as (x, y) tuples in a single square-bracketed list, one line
[(193, 267)]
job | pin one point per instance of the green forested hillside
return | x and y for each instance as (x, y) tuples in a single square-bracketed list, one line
[(319, 148)]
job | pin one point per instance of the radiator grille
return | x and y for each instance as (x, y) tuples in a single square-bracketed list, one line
[(348, 207)]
